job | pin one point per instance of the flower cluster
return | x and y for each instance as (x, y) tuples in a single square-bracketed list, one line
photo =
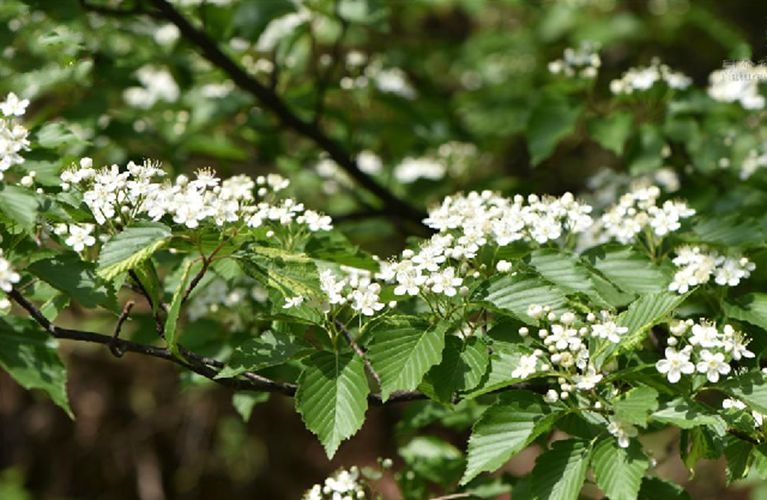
[(453, 158), (115, 196), (388, 80), (563, 347), (334, 177), (643, 78), (342, 485), (8, 277), (355, 289), (13, 136), (157, 84), (738, 82), (697, 265), (755, 159), (701, 348), (638, 210), (487, 217), (583, 62)]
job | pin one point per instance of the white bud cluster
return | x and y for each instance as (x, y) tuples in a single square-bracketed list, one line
[(356, 289), (123, 196), (582, 62), (738, 82), (697, 265), (562, 347), (342, 485), (643, 78), (637, 210), (13, 136)]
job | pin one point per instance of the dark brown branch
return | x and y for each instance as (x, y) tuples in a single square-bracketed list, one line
[(116, 351), (271, 101), (207, 367)]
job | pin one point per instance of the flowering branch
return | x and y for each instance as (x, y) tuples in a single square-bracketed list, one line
[(270, 100), (202, 365)]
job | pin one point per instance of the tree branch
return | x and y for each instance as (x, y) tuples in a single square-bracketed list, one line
[(207, 367), (271, 101)]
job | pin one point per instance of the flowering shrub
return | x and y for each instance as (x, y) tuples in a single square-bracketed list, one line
[(575, 324)]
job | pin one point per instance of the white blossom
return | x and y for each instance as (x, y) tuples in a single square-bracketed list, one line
[(7, 275), (675, 364), (623, 431), (713, 365)]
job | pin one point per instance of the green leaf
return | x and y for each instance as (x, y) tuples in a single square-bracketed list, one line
[(171, 321), (611, 131), (31, 358), (751, 308), (750, 387), (687, 415), (464, 362), (268, 349), (655, 488), (433, 458), (634, 406), (285, 275), (645, 153), (559, 472), (628, 269), (506, 428), (402, 351), (503, 360), (730, 232), (738, 454), (19, 205), (618, 471), (565, 270), (332, 397), (644, 313), (516, 293), (551, 120), (130, 247), (68, 273), (244, 402), (332, 246), (698, 443), (759, 460)]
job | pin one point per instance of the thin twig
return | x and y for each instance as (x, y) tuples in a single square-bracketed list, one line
[(113, 347), (158, 322), (270, 100), (357, 349)]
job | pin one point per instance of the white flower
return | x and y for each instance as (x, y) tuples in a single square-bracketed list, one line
[(675, 364), (705, 335), (365, 299), (608, 330), (412, 169), (526, 367), (293, 301), (13, 106), (588, 380), (623, 431), (503, 266), (713, 365), (80, 237), (7, 275), (738, 82), (445, 282), (551, 396)]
